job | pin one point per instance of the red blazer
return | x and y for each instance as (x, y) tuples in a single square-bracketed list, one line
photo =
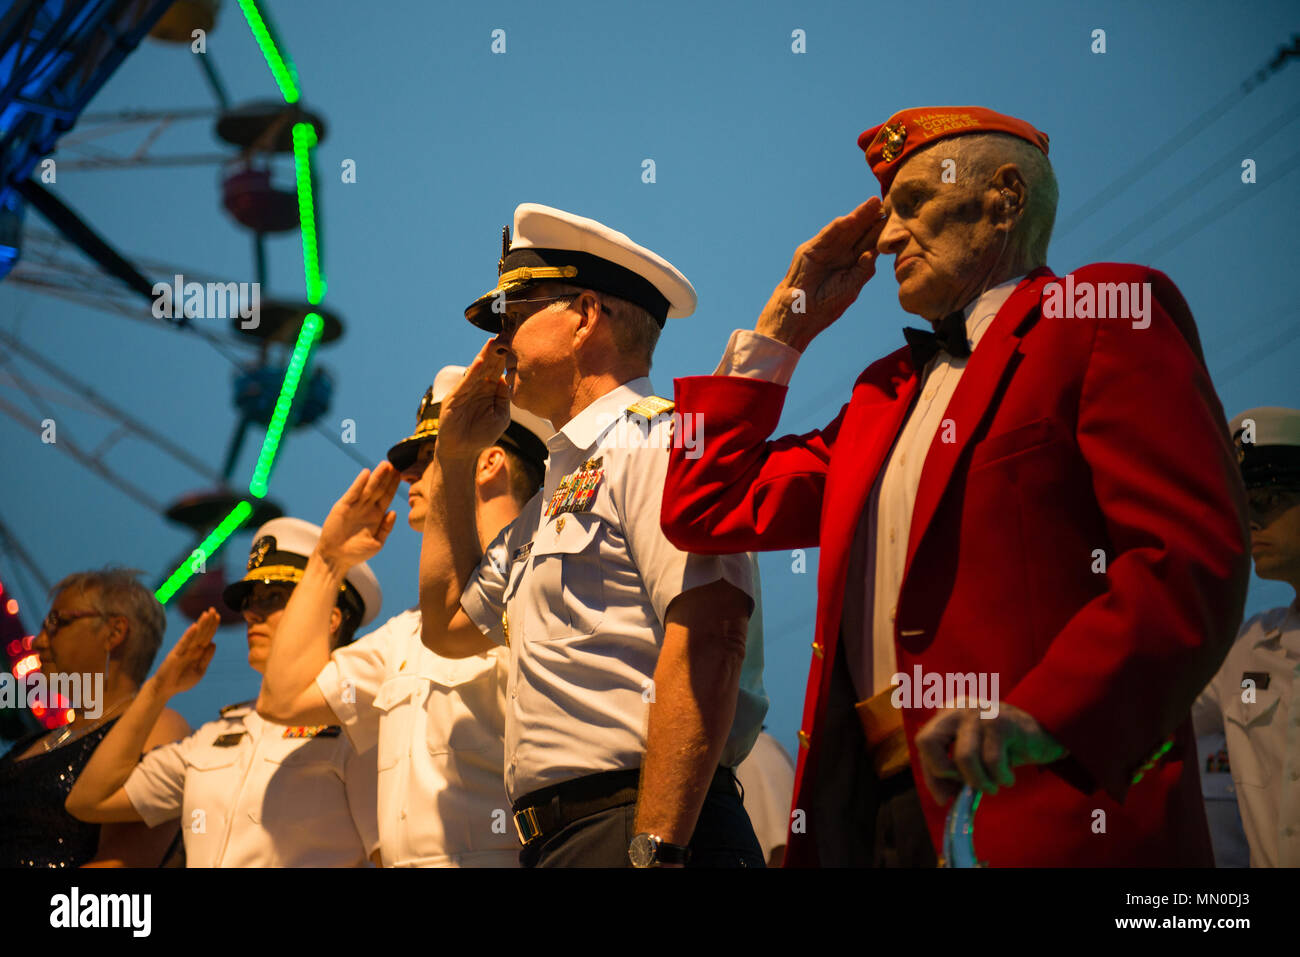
[(1071, 435)]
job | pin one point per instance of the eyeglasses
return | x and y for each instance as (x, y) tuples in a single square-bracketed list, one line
[(55, 620), (267, 602), (513, 318), (1267, 504)]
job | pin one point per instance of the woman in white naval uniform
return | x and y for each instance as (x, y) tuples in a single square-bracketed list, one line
[(248, 793)]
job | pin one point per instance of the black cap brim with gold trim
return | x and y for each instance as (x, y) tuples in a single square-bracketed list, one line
[(526, 434), (1267, 441), (279, 554), (551, 245)]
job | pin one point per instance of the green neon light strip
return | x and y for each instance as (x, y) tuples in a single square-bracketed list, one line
[(286, 77), (238, 516), (304, 140), (311, 330)]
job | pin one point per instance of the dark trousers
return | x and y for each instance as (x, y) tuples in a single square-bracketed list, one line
[(724, 837), (855, 818)]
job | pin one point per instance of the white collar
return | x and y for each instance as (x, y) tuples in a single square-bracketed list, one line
[(584, 429)]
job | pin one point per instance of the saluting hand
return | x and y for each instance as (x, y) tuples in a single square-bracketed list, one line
[(474, 414), (358, 524), (983, 750), (186, 663), (825, 276)]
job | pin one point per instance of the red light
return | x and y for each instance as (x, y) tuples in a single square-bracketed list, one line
[(27, 642), (38, 709), (11, 606), (15, 648), (26, 665)]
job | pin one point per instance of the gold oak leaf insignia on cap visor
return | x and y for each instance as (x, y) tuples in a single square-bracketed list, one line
[(257, 554)]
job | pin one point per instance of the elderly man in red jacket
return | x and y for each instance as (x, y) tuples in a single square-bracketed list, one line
[(1032, 532)]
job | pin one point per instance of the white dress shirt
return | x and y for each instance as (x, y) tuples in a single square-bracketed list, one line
[(438, 725), (253, 794), (878, 557), (1262, 728), (581, 598)]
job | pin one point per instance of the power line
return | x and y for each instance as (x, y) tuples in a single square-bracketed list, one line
[(1230, 159), (1217, 212), (1179, 139)]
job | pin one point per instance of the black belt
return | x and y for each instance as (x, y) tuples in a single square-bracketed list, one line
[(550, 809)]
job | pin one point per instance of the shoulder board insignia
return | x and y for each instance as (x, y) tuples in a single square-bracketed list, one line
[(237, 706), (228, 740), (651, 406), (313, 731)]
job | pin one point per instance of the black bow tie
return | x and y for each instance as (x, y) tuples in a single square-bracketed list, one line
[(949, 336)]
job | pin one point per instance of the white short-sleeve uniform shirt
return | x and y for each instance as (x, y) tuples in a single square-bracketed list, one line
[(254, 794), (438, 726), (578, 587), (1251, 700)]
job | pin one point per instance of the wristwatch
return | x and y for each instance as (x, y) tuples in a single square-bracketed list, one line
[(650, 850)]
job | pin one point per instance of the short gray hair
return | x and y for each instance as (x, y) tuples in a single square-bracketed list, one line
[(634, 330), (977, 157), (119, 593)]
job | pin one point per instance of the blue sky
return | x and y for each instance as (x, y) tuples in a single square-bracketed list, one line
[(754, 149)]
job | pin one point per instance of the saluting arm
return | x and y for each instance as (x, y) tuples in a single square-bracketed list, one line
[(354, 531), (98, 794), (471, 417)]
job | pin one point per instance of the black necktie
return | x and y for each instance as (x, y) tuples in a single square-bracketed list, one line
[(949, 336)]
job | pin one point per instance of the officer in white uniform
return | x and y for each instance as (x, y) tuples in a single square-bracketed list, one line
[(248, 793), (767, 777), (438, 723), (1251, 699), (579, 586)]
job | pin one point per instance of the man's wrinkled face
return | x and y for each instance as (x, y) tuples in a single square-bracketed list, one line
[(538, 338), (941, 235), (1275, 532), (416, 495)]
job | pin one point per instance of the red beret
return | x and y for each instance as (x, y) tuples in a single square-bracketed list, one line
[(907, 131)]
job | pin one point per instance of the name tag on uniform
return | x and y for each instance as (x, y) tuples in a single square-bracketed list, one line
[(314, 731), (1260, 678), (521, 553), (577, 490), (228, 740)]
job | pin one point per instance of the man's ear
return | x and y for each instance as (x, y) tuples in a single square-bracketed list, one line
[(336, 622), (1012, 193), (587, 306), (491, 466)]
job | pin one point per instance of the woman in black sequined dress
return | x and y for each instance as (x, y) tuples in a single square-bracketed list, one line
[(106, 627)]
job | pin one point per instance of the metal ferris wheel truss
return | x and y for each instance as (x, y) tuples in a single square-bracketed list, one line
[(52, 61)]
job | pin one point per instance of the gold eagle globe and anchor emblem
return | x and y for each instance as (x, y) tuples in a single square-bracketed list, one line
[(892, 137)]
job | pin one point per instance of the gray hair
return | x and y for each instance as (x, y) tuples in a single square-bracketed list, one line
[(977, 157), (634, 330), (119, 593)]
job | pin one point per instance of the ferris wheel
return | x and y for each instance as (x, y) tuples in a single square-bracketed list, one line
[(55, 55)]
